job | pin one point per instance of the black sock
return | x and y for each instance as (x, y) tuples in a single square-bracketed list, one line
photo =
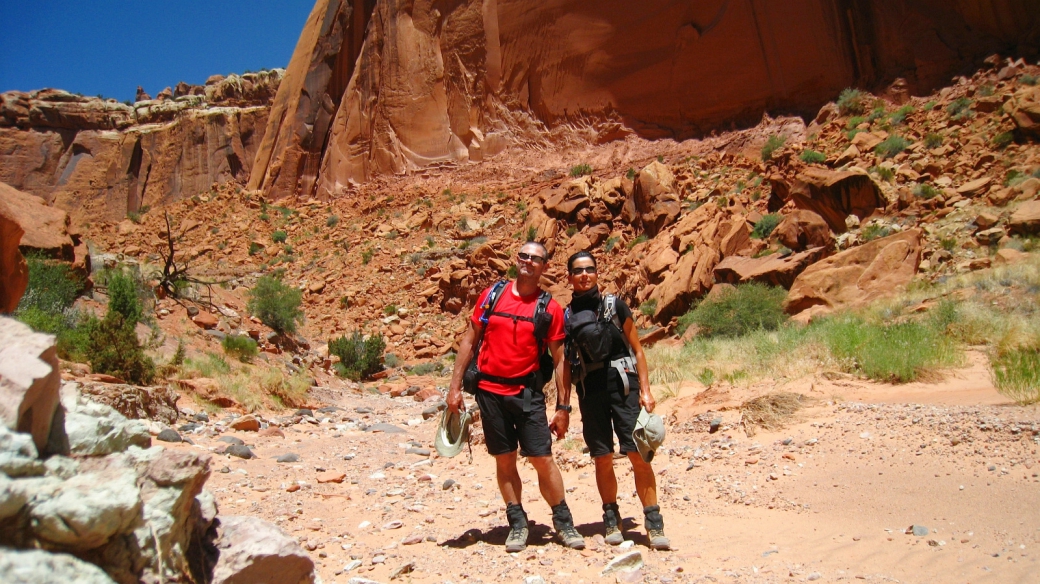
[(654, 520), (562, 513), (515, 514), (611, 515)]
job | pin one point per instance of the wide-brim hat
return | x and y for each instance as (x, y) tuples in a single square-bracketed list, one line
[(648, 434), (452, 433)]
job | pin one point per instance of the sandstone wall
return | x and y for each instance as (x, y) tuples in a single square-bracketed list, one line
[(99, 159), (436, 81)]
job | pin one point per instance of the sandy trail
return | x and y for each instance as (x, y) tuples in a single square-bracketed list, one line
[(826, 499)]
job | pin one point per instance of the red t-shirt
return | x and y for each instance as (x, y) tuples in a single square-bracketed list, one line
[(510, 349)]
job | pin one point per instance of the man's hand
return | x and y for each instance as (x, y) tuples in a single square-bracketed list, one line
[(560, 422), (646, 399), (455, 401)]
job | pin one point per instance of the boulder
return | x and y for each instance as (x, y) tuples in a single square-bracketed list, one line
[(18, 455), (1026, 219), (691, 278), (40, 567), (858, 275), (801, 229), (29, 381), (831, 194), (247, 423), (85, 511), (136, 403), (657, 203), (46, 228), (253, 551), (14, 273), (771, 269), (735, 237), (1024, 109), (94, 429)]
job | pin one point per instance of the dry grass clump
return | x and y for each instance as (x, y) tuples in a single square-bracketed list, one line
[(251, 387), (771, 411)]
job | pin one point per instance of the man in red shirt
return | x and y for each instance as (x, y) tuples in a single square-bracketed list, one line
[(514, 414)]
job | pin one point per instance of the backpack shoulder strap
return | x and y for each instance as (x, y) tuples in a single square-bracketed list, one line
[(610, 314), (491, 300)]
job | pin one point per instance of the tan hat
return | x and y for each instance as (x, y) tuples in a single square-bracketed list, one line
[(452, 433), (649, 434)]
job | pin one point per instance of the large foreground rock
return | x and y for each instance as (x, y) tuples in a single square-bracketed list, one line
[(86, 511), (40, 567), (46, 228), (94, 429), (691, 279), (29, 381), (858, 275), (253, 551), (14, 273)]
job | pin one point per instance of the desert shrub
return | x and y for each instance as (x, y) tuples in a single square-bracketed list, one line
[(899, 352), (276, 304), (123, 298), (959, 108), (765, 226), (854, 121), (211, 365), (287, 391), (254, 248), (637, 240), (359, 357), (1003, 139), (332, 221), (735, 313), (810, 156), (240, 347), (772, 144), (892, 146), (925, 191), (899, 116), (852, 102), (884, 173), (391, 361), (52, 286), (706, 376), (425, 368), (610, 243), (875, 231), (648, 308), (1016, 374), (580, 170), (1028, 79), (115, 350), (986, 90), (279, 236), (366, 256), (631, 174), (933, 140)]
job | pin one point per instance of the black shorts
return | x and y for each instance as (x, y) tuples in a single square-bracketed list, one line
[(505, 424), (605, 411)]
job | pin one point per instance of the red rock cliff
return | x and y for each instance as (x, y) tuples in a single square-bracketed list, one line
[(436, 80)]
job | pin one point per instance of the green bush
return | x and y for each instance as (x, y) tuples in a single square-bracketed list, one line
[(52, 288), (1016, 374), (1028, 80), (366, 256), (114, 349), (933, 140), (122, 297), (580, 170), (254, 248), (884, 173), (611, 242), (899, 116), (1003, 139), (875, 231), (631, 174), (279, 236), (648, 308), (925, 191), (852, 102), (747, 308), (241, 347), (899, 352), (892, 146), (359, 357), (332, 221), (765, 226), (276, 304), (809, 156), (959, 108), (637, 240), (772, 144)]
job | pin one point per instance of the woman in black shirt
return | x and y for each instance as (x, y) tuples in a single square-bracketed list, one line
[(608, 404)]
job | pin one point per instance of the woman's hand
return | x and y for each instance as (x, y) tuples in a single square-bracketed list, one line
[(646, 399)]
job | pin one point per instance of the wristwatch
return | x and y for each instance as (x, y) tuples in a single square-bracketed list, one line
[(560, 408)]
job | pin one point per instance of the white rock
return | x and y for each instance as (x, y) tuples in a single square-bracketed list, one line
[(624, 563), (40, 567), (83, 512)]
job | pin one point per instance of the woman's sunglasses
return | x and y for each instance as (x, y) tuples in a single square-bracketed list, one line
[(585, 270), (530, 258)]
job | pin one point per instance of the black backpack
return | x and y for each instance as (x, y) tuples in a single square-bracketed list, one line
[(542, 321), (589, 341)]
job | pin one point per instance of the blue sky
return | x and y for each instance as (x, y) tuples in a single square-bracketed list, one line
[(109, 47)]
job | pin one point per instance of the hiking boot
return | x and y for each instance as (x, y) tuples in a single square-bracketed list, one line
[(612, 524), (564, 524), (516, 541), (654, 524)]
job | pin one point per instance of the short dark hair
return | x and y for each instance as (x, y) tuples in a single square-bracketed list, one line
[(577, 256), (545, 252)]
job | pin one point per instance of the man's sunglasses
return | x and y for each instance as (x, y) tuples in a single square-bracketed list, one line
[(585, 270), (530, 258)]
